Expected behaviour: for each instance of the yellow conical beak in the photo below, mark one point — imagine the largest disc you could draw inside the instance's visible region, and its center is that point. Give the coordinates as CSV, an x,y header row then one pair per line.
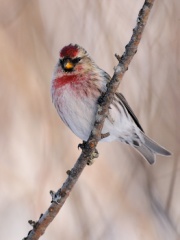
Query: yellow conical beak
x,y
68,65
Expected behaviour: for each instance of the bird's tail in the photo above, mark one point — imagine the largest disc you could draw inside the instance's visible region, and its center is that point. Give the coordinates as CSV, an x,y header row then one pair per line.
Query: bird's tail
x,y
149,149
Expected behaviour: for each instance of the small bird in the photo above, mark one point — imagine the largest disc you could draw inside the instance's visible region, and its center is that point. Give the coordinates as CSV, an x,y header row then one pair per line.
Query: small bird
x,y
76,86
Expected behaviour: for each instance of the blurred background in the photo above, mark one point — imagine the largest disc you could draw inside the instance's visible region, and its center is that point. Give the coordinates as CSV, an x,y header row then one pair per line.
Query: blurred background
x,y
120,196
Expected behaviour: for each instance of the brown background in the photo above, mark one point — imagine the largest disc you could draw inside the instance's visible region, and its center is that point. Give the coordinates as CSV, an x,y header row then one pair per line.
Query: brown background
x,y
120,196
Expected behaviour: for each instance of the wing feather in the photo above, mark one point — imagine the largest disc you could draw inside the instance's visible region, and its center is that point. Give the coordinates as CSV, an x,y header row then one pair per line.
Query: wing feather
x,y
130,111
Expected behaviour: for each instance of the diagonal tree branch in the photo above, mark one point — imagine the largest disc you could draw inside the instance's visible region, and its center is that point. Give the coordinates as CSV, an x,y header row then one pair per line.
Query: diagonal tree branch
x,y
104,102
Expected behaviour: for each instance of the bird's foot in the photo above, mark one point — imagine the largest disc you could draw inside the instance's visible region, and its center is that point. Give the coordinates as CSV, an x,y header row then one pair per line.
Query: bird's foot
x,y
82,145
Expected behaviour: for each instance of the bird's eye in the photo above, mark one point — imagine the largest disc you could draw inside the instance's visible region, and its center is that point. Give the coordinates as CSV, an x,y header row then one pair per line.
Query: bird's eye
x,y
76,60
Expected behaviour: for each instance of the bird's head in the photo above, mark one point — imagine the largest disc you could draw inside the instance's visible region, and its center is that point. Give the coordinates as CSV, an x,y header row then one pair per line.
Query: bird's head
x,y
76,67
72,58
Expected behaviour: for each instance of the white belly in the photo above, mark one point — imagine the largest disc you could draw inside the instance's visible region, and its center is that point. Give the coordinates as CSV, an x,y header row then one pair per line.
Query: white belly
x,y
76,111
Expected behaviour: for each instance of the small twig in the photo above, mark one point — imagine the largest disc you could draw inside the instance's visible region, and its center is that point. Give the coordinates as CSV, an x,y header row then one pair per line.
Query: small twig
x,y
118,57
88,148
104,135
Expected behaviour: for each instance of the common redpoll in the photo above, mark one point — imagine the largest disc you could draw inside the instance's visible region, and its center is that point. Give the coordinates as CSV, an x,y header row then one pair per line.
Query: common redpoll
x,y
76,86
